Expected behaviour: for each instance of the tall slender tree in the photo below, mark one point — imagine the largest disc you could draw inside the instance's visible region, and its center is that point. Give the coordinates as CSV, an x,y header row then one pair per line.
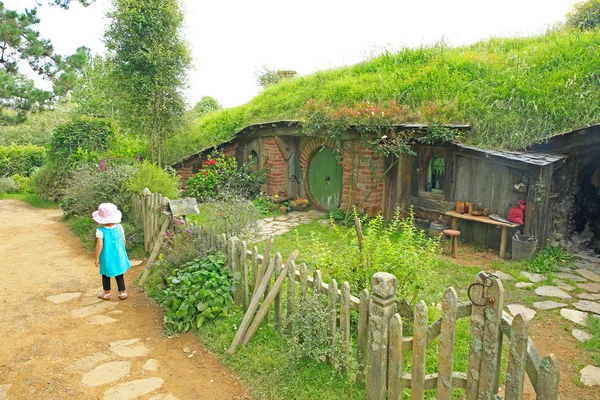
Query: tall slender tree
x,y
150,64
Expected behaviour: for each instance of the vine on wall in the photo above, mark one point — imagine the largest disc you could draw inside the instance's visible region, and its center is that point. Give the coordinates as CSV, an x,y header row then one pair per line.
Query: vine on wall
x,y
376,125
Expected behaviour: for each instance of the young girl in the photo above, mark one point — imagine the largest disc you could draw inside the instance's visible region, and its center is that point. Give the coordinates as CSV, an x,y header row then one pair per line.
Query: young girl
x,y
111,256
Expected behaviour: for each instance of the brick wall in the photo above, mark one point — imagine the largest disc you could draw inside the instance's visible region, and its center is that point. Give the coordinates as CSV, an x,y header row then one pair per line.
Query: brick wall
x,y
276,179
185,174
360,168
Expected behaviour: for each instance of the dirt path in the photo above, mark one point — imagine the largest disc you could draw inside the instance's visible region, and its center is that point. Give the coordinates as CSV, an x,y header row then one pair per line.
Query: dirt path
x,y
64,351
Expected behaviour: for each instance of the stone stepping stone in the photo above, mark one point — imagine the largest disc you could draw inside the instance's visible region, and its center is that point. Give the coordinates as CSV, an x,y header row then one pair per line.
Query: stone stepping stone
x,y
4,390
88,362
503,276
592,276
580,335
527,313
552,291
523,284
572,277
565,269
269,219
164,397
129,348
563,285
135,263
586,305
116,312
133,389
281,218
590,376
106,373
101,320
535,278
64,297
574,316
589,296
548,305
93,309
590,287
151,365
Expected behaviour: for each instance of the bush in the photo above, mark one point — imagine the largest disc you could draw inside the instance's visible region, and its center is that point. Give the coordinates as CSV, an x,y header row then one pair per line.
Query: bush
x,y
584,16
23,183
309,338
398,248
7,185
89,186
222,175
232,215
156,179
263,204
181,245
49,181
200,291
548,259
21,160
75,140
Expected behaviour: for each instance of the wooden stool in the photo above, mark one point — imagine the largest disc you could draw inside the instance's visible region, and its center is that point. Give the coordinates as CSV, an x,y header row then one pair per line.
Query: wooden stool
x,y
454,234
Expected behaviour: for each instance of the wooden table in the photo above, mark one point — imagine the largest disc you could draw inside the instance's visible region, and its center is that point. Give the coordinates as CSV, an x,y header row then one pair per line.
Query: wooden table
x,y
486,220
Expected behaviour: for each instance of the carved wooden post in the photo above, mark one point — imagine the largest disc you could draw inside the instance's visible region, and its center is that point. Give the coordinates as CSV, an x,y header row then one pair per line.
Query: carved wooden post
x,y
381,309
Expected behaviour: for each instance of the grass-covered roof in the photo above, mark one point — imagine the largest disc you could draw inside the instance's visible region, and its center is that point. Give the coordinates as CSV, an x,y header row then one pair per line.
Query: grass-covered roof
x,y
513,92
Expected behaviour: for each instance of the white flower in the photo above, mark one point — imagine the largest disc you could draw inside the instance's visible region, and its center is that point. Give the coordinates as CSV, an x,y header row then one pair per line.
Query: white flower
x,y
384,137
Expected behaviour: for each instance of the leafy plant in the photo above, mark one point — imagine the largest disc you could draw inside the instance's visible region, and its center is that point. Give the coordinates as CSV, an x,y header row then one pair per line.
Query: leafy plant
x,y
220,176
8,185
200,291
232,215
20,159
309,338
23,183
584,15
548,259
49,181
89,186
156,179
76,139
263,204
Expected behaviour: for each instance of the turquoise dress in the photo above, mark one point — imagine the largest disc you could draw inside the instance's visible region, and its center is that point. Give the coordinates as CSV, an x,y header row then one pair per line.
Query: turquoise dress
x,y
113,257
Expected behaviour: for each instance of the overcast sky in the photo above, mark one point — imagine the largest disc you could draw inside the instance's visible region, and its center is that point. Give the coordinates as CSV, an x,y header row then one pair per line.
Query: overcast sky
x,y
232,39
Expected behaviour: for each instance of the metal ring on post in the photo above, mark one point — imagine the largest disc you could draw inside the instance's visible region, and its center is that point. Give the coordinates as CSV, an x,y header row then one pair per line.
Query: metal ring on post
x,y
487,282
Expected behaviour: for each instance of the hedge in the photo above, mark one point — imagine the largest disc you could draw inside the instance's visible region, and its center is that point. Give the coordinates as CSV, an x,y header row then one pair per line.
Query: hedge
x,y
20,159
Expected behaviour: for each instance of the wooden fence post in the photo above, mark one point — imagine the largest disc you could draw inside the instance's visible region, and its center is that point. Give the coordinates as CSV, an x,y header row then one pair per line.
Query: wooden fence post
x,y
517,359
417,388
363,333
381,309
548,378
447,336
317,282
233,250
345,325
277,303
291,295
332,324
243,262
395,359
303,282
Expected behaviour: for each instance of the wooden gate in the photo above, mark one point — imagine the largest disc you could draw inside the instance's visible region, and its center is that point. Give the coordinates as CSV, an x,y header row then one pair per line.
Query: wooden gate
x,y
386,377
151,210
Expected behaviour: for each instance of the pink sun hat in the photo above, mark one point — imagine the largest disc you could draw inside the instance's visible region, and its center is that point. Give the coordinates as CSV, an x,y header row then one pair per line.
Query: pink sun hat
x,y
107,213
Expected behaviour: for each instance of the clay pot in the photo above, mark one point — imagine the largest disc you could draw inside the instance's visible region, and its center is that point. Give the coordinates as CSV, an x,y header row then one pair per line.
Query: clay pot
x,y
460,207
283,209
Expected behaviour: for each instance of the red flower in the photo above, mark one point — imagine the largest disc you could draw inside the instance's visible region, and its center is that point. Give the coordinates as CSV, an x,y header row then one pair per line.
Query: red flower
x,y
204,173
211,162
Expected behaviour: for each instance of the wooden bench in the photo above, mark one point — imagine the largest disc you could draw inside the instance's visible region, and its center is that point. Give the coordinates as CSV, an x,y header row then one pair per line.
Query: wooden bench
x,y
486,220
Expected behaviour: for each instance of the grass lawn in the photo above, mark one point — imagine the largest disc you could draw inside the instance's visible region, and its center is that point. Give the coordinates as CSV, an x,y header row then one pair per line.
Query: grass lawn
x,y
31,199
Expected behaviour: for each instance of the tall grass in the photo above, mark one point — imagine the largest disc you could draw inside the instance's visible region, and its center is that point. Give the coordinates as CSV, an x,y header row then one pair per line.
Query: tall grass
x,y
513,92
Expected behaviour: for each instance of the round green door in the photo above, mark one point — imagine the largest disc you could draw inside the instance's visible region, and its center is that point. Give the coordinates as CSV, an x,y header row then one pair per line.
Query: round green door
x,y
325,179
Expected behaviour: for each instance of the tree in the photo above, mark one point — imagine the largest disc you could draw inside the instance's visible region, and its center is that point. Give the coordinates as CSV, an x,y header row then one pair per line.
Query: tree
x,y
584,15
268,77
206,105
19,41
150,64
94,92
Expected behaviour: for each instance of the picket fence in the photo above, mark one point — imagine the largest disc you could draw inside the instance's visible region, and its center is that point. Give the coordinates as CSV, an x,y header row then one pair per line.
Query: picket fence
x,y
381,349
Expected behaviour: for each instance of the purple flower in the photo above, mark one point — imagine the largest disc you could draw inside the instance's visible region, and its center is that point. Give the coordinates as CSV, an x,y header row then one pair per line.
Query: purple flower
x,y
102,165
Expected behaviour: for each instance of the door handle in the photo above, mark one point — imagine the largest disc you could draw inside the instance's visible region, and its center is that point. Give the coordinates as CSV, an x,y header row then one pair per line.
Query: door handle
x,y
327,179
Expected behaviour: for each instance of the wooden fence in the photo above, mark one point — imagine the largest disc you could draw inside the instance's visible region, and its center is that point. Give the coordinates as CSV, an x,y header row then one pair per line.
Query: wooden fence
x,y
381,348
151,210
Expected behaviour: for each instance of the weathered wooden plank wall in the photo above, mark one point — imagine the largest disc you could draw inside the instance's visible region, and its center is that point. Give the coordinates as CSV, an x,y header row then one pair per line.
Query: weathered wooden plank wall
x,y
489,183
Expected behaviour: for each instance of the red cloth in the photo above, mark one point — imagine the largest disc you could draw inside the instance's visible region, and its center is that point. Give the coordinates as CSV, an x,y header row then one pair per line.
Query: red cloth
x,y
516,213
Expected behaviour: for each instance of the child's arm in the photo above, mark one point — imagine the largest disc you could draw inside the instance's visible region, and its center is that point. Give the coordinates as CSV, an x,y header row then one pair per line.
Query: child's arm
x,y
98,251
123,232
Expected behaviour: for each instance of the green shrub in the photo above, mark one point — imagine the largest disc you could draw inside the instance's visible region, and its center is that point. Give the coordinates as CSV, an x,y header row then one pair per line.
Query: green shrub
x,y
584,16
156,179
8,185
548,259
200,291
21,160
231,215
263,204
220,174
89,186
49,181
23,183
398,248
76,140
181,245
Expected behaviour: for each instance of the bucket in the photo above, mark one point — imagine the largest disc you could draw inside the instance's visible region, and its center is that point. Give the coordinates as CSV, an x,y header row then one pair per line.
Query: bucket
x,y
523,246
436,229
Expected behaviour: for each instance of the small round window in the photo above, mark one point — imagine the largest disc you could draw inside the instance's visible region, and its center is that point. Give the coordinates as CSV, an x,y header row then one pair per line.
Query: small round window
x,y
435,181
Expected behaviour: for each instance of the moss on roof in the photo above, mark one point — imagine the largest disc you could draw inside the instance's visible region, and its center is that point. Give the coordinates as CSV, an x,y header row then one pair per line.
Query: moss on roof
x,y
512,91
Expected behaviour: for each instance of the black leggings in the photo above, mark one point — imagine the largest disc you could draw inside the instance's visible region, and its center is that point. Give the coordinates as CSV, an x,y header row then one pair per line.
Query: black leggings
x,y
120,282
